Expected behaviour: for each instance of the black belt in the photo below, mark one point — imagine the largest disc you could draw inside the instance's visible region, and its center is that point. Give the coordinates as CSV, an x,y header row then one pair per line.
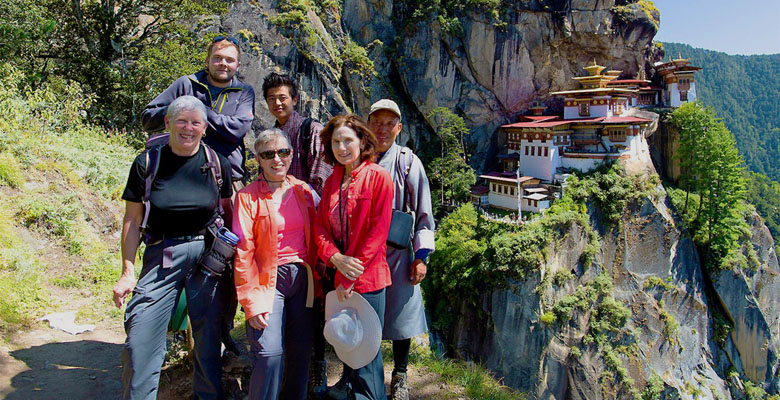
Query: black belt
x,y
186,237
153,238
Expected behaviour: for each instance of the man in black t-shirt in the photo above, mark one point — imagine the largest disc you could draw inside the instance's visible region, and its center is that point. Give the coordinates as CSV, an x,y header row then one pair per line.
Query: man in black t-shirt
x,y
184,201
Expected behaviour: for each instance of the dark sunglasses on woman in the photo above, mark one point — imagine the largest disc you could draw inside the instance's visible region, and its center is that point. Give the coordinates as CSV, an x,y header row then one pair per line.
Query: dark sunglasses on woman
x,y
270,154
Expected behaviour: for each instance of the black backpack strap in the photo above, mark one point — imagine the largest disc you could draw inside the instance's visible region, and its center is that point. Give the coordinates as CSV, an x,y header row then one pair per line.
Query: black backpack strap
x,y
305,139
305,133
152,165
403,166
216,173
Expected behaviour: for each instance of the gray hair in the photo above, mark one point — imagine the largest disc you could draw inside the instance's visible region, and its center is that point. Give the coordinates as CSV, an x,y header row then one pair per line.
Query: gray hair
x,y
268,135
185,103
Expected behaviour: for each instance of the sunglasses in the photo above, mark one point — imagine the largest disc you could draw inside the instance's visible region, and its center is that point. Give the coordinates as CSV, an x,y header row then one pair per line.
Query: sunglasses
x,y
270,154
228,38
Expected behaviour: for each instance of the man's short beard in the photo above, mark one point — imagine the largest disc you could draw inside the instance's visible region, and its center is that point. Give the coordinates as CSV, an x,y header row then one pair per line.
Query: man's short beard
x,y
219,80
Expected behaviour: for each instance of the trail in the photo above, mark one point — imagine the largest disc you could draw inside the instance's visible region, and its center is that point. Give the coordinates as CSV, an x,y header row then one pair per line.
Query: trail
x,y
45,363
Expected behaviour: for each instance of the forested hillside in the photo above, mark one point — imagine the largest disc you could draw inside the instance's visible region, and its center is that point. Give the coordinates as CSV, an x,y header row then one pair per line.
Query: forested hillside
x,y
745,92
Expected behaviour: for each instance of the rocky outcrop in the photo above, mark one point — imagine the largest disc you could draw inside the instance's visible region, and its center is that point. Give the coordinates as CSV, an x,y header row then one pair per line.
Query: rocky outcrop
x,y
656,272
488,68
748,294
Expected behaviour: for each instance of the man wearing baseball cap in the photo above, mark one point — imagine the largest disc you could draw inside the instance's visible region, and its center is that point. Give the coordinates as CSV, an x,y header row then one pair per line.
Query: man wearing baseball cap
x,y
404,315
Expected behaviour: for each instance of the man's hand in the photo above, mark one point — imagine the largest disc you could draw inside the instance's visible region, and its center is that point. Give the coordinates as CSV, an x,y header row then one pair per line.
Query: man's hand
x,y
259,321
123,287
418,271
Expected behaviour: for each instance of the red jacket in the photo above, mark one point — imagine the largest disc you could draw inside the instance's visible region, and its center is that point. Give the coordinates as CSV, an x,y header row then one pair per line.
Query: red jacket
x,y
369,209
257,250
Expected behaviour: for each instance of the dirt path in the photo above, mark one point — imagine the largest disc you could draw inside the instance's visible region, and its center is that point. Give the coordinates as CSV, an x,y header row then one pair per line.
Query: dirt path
x,y
45,363
50,364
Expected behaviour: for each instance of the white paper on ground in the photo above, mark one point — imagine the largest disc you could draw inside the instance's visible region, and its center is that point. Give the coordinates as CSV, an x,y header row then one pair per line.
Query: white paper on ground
x,y
66,321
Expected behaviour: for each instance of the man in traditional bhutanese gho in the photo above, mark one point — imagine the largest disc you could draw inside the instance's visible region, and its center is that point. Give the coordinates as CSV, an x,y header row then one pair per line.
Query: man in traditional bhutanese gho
x,y
404,315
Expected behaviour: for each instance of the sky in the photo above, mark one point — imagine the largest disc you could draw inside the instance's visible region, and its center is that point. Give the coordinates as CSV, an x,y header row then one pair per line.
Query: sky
x,y
731,26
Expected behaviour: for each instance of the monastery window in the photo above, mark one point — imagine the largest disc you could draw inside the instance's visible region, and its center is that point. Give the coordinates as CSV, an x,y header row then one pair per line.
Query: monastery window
x,y
532,150
584,109
683,95
526,150
492,187
540,151
512,191
617,135
546,151
536,203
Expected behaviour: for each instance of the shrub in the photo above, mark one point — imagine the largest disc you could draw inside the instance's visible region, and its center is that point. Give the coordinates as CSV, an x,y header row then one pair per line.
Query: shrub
x,y
10,171
547,318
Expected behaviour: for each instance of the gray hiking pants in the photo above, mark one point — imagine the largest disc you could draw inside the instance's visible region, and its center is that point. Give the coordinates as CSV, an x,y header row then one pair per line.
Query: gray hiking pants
x,y
282,351
151,308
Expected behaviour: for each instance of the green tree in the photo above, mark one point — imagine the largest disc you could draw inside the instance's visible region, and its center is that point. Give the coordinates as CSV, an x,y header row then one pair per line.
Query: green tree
x,y
712,168
110,47
451,175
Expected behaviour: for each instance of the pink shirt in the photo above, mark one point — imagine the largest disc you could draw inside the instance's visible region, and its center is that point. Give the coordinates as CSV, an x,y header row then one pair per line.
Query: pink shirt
x,y
291,235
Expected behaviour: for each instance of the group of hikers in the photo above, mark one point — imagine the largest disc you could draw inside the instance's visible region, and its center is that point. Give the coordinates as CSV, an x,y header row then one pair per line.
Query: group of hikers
x,y
329,243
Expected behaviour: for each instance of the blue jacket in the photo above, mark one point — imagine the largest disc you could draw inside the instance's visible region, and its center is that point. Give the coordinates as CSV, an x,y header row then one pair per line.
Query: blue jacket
x,y
230,115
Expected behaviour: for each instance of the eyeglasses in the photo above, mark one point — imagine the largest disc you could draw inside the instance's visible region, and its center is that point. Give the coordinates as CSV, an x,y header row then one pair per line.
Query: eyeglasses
x,y
228,38
270,154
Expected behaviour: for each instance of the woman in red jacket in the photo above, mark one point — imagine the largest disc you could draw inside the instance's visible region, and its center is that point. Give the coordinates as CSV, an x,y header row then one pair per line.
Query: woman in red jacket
x,y
353,220
274,218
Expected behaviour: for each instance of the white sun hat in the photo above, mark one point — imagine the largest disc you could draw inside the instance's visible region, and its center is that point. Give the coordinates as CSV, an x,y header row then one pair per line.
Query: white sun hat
x,y
352,328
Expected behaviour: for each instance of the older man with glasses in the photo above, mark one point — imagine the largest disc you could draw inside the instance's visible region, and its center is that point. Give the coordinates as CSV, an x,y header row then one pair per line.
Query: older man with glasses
x,y
230,108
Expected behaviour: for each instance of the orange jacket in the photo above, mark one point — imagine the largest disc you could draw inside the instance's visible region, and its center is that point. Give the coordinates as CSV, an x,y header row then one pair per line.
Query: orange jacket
x,y
256,253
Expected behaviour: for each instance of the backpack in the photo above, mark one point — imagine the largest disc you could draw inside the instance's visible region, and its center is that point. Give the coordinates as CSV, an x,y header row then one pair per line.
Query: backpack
x,y
154,146
305,137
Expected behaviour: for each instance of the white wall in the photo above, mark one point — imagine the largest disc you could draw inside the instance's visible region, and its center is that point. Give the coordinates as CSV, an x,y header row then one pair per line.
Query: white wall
x,y
541,205
581,164
536,165
503,200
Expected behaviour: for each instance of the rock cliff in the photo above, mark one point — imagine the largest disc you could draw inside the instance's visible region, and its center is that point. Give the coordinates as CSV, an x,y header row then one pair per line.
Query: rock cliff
x,y
668,336
485,61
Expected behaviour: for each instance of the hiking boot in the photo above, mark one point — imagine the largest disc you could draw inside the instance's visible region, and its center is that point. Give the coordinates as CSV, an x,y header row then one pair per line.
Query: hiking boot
x,y
318,379
398,388
339,391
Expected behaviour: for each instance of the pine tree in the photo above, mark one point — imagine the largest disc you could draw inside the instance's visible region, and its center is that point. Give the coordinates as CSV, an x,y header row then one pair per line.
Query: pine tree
x,y
451,175
712,168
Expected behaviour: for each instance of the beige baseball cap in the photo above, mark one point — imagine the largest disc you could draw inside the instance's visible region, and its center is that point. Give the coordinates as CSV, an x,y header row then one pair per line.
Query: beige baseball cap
x,y
385,104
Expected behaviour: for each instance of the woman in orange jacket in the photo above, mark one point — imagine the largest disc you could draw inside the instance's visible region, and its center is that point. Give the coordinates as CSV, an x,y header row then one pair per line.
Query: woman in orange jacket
x,y
274,219
351,229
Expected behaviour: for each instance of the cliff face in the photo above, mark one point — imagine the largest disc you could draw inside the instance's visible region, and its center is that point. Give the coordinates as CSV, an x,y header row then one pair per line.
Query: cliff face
x,y
487,69
748,295
668,333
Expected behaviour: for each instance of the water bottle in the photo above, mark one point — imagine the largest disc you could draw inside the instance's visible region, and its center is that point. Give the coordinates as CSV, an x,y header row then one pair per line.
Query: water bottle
x,y
228,236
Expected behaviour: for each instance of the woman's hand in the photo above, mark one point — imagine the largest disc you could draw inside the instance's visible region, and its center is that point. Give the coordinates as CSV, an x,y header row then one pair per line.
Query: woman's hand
x,y
350,267
259,321
342,293
123,287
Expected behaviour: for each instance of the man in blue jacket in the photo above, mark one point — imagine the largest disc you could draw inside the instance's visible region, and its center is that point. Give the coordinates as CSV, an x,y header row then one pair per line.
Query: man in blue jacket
x,y
230,102
230,106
